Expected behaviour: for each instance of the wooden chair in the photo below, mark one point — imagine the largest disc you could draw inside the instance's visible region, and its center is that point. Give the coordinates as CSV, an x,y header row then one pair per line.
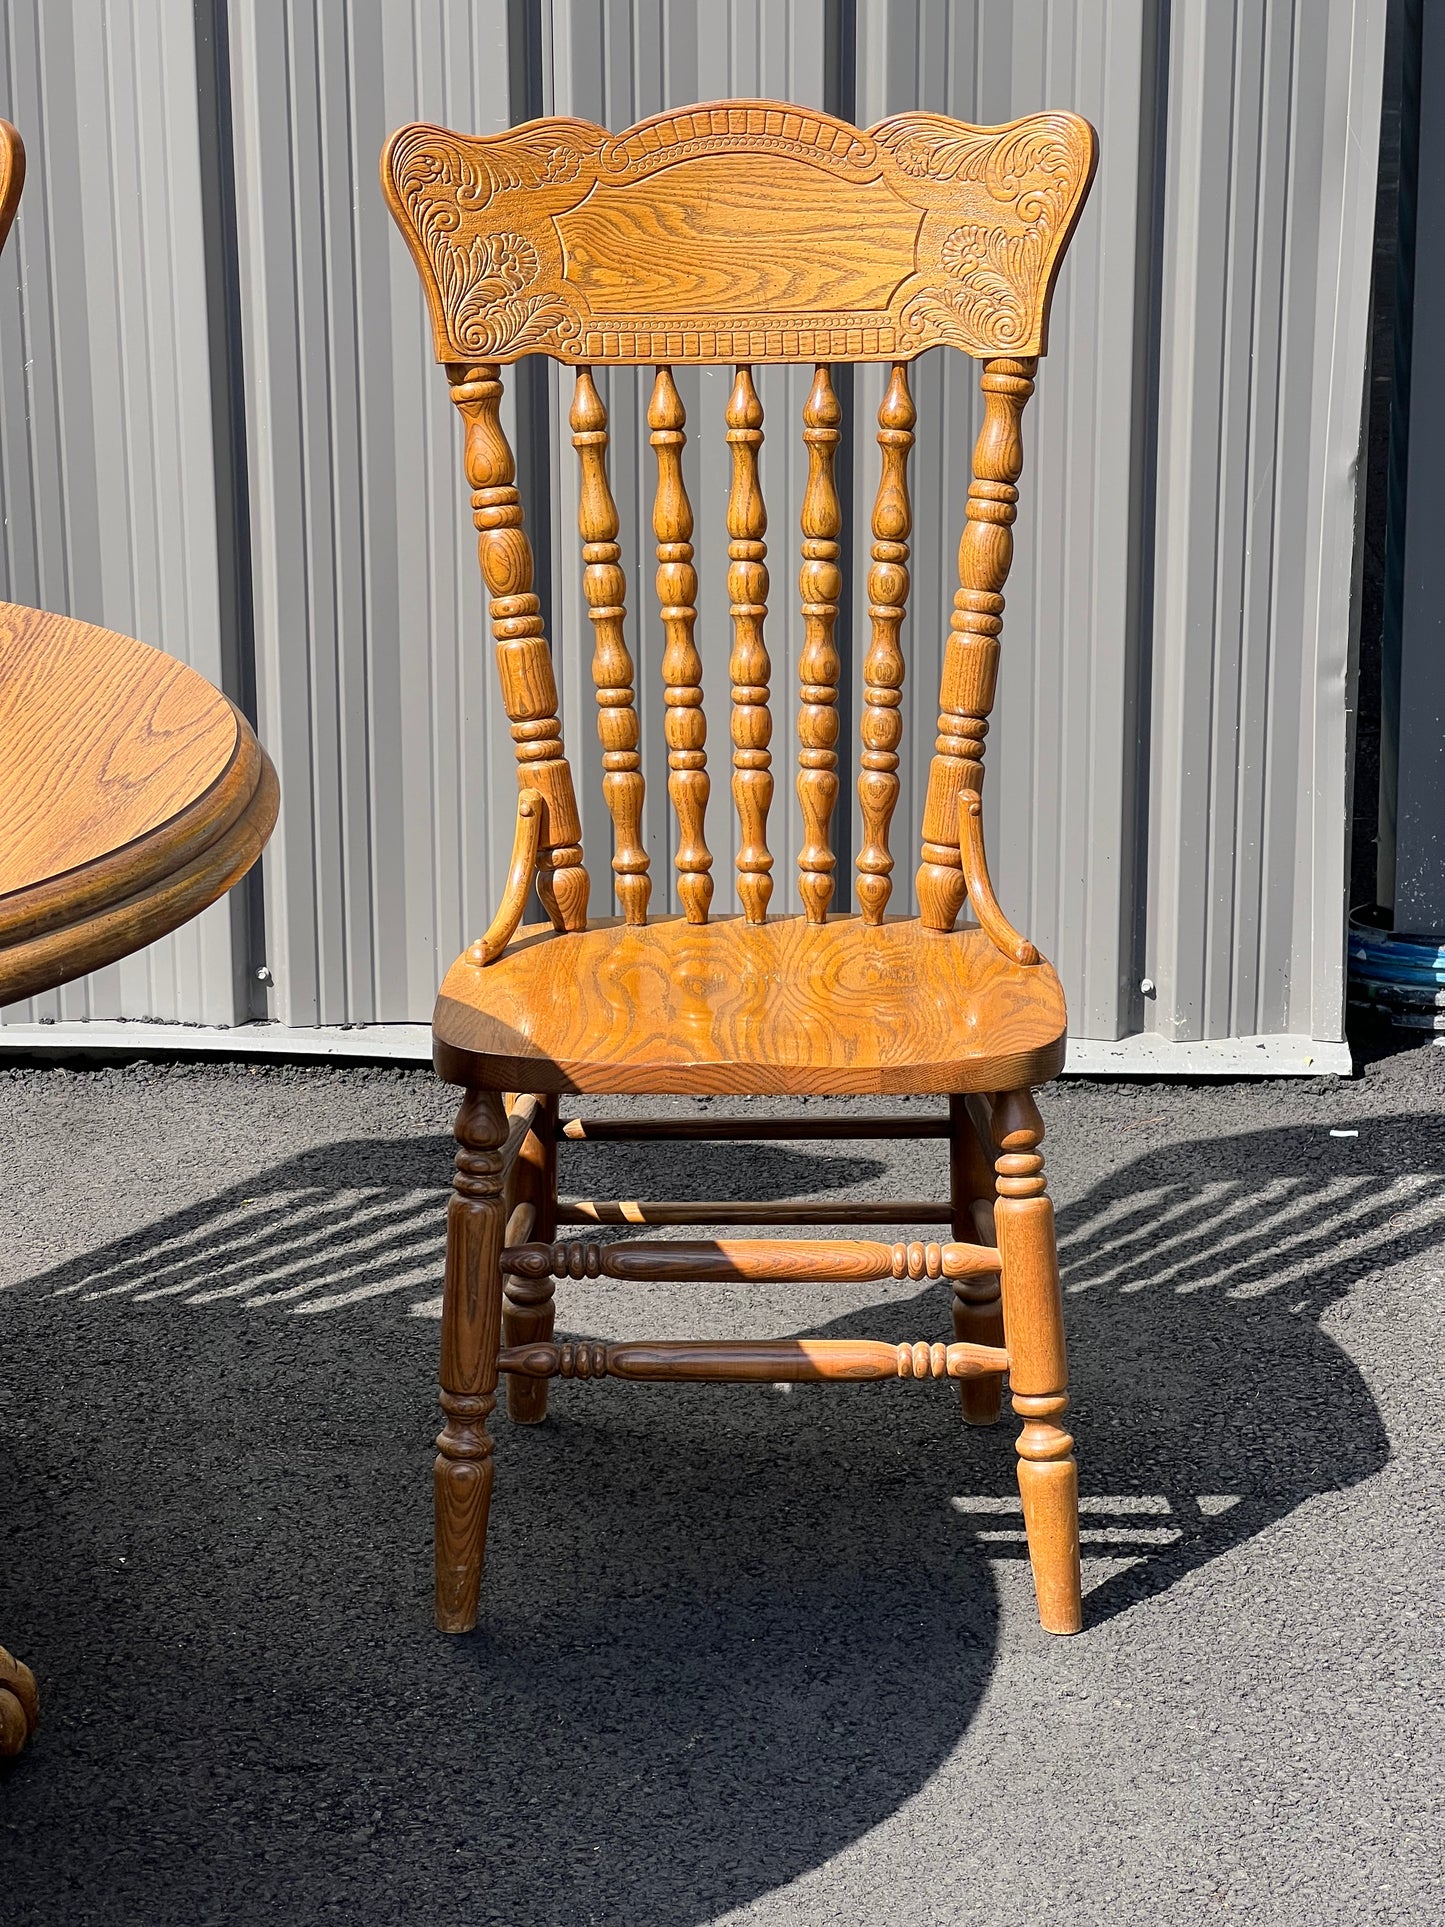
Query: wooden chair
x,y
744,233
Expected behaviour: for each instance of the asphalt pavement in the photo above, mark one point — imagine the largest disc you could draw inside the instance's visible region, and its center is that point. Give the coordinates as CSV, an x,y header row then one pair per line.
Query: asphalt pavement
x,y
746,1655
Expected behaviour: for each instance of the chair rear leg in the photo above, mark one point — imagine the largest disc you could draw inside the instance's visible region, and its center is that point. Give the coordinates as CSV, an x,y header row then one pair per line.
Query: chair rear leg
x,y
1033,1316
471,1334
528,1310
977,1307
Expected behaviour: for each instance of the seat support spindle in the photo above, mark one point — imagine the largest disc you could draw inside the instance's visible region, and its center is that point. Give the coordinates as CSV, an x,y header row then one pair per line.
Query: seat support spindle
x,y
820,584
881,728
605,587
977,1309
688,783
749,669
524,662
528,1310
970,663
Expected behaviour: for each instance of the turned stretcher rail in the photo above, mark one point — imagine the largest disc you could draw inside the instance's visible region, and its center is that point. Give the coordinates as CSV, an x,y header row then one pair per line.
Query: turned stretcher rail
x,y
755,1260
619,1130
767,1360
747,1211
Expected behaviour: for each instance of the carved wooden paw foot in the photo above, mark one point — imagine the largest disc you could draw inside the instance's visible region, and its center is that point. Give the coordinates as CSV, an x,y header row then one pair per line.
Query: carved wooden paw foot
x,y
19,1704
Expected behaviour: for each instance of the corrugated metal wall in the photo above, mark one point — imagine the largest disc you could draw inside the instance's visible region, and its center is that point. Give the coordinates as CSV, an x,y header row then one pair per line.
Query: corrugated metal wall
x,y
1167,791
108,455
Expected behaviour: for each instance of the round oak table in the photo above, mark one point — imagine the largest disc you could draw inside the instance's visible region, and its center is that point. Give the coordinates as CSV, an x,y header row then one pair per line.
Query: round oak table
x,y
132,795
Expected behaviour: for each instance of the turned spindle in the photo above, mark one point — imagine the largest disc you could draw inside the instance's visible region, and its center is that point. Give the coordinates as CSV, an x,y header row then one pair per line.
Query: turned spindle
x,y
970,663
528,1307
749,668
685,728
881,728
524,662
820,583
977,1306
605,587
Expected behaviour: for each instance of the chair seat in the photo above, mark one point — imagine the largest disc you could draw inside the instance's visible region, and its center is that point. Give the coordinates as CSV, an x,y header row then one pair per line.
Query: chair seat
x,y
728,1006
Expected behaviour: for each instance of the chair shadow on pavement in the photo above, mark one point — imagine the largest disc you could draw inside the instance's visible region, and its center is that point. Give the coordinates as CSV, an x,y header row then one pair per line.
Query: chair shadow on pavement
x,y
725,1632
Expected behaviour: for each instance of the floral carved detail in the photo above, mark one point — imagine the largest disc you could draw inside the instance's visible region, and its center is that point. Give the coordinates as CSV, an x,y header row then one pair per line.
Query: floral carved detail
x,y
562,238
1033,178
485,278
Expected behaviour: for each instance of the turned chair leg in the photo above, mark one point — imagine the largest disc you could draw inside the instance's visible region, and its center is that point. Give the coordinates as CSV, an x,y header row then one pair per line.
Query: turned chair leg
x,y
977,1306
528,1311
1033,1316
471,1335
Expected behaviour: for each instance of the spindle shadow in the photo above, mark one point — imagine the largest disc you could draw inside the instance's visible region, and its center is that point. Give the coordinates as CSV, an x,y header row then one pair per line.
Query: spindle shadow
x,y
360,1219
726,1632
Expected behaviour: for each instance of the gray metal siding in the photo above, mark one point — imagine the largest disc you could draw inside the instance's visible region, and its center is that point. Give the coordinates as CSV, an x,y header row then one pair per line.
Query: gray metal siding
x,y
1167,770
1062,751
106,449
1266,252
376,689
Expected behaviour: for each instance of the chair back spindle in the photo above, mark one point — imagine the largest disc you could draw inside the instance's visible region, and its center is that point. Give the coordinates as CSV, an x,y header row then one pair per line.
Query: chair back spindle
x,y
749,669
819,584
524,662
881,729
688,783
970,661
605,586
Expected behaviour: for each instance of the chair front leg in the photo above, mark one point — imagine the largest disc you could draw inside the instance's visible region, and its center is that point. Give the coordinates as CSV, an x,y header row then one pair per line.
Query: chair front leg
x,y
471,1335
528,1311
1033,1318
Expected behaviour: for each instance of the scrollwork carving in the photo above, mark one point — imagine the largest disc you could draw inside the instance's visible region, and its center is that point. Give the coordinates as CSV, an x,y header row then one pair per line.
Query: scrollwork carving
x,y
492,224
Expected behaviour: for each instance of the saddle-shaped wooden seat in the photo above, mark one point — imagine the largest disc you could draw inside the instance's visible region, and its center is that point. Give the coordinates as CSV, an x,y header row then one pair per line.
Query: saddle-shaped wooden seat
x,y
740,233
753,1009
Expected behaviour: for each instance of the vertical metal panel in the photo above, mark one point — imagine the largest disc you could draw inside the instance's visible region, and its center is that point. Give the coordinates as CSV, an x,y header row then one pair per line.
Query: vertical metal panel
x,y
1266,255
616,64
1167,782
1062,755
107,459
377,694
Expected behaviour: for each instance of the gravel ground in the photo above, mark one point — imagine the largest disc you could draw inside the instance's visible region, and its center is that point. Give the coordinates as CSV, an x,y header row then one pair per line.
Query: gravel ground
x,y
745,1656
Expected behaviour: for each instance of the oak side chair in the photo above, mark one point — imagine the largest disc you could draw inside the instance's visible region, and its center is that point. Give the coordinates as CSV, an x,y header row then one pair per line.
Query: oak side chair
x,y
741,233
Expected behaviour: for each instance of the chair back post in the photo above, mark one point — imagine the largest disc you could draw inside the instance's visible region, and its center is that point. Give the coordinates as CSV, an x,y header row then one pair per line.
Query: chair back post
x,y
524,662
970,659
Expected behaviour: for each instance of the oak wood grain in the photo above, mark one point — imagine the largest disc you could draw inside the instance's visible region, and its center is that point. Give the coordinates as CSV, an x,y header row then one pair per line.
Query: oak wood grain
x,y
1033,1322
740,231
521,874
970,658
881,726
102,740
768,1361
132,795
820,583
524,662
783,1006
605,588
684,726
610,1130
750,1260
528,1311
12,176
749,666
471,1338
746,1211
